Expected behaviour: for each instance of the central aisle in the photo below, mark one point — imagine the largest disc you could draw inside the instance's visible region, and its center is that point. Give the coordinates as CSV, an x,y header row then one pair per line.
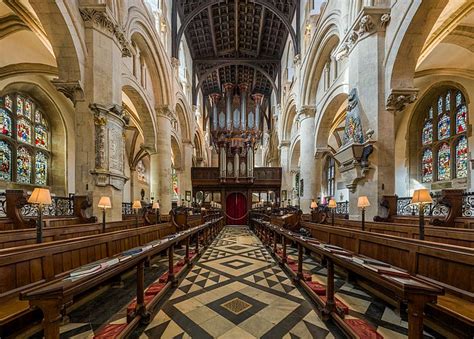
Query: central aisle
x,y
236,290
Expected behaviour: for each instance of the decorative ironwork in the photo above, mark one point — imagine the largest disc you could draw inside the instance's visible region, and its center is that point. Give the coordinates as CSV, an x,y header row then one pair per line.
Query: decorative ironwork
x,y
468,204
406,208
342,208
3,205
127,208
60,207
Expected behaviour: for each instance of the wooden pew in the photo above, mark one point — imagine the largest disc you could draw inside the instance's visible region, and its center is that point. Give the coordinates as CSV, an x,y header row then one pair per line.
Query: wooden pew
x,y
445,235
22,237
414,291
52,297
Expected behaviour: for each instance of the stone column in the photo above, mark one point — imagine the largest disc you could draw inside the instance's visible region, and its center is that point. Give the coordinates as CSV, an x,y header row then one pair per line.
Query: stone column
x,y
258,102
185,182
367,51
99,120
250,160
307,158
161,160
285,166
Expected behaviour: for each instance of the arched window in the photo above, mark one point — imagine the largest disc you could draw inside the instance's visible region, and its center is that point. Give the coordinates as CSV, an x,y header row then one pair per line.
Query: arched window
x,y
331,176
24,141
444,154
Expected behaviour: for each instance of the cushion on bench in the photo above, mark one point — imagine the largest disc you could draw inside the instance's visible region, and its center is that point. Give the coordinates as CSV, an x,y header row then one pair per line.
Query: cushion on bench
x,y
363,329
316,287
110,331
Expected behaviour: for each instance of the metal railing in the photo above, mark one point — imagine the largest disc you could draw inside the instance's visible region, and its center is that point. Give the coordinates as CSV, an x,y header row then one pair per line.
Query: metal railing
x,y
406,208
468,204
60,207
3,205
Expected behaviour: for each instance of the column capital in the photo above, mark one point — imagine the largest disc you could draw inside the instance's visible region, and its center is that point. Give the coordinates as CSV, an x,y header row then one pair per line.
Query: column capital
x,y
99,16
306,111
284,143
165,111
400,98
73,90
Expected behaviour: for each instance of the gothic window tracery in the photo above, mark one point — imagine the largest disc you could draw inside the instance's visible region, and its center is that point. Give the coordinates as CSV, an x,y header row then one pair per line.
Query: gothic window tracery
x,y
444,153
24,141
331,176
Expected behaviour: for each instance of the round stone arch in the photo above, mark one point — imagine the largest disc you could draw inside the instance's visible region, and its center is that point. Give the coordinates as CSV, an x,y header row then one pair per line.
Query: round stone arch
x,y
177,153
319,53
144,110
61,133
155,58
288,120
182,115
400,64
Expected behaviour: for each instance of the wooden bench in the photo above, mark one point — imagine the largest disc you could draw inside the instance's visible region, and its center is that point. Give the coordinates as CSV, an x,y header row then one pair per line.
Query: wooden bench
x,y
412,290
53,296
22,237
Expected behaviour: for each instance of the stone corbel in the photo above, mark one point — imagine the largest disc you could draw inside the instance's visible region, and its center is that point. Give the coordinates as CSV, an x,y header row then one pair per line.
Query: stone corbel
x,y
321,151
369,21
165,112
400,98
99,16
71,89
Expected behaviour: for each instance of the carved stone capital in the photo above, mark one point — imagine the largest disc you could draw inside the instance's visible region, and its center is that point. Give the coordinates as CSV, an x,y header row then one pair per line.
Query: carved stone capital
x,y
400,98
100,17
306,112
175,62
165,112
71,89
284,143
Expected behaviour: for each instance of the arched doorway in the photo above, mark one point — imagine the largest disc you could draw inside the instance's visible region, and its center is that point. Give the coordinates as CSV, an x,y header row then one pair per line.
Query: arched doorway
x,y
236,209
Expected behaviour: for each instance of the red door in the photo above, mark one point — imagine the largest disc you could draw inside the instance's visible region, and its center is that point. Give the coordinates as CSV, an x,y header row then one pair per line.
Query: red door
x,y
236,209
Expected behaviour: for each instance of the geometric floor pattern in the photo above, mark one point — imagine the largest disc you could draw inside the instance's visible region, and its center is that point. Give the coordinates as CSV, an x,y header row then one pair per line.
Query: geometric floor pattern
x,y
237,290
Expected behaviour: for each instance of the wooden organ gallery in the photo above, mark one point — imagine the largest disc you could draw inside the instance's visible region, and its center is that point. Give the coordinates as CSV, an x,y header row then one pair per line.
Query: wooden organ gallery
x,y
236,169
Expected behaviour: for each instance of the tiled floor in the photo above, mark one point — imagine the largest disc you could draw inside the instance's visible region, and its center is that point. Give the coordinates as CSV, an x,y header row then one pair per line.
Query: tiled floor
x,y
237,290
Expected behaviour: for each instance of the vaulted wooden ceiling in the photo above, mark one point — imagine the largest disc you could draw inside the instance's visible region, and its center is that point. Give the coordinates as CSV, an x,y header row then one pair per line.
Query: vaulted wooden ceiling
x,y
236,41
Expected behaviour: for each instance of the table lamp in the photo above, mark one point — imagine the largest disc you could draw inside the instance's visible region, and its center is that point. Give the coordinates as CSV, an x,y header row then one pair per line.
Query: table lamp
x,y
40,197
104,203
332,205
136,206
156,207
362,203
314,205
421,197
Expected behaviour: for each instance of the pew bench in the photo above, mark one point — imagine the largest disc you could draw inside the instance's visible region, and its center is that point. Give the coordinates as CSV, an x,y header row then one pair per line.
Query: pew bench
x,y
400,285
52,297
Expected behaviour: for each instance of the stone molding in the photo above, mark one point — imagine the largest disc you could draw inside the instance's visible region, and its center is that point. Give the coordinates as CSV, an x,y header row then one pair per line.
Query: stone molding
x,y
305,112
71,89
400,98
165,112
369,21
284,143
99,16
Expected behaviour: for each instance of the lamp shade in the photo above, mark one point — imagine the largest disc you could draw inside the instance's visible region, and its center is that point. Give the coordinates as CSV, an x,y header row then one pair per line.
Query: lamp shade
x,y
363,202
156,205
421,196
137,204
40,196
313,204
332,203
104,202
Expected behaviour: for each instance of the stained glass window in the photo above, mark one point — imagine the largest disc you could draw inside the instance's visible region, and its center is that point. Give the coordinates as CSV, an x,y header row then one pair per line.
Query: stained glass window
x,y
461,119
8,103
447,101
28,108
41,169
31,164
41,137
461,158
5,123
440,105
459,98
444,162
19,104
427,137
23,166
444,130
427,166
5,161
430,113
23,130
